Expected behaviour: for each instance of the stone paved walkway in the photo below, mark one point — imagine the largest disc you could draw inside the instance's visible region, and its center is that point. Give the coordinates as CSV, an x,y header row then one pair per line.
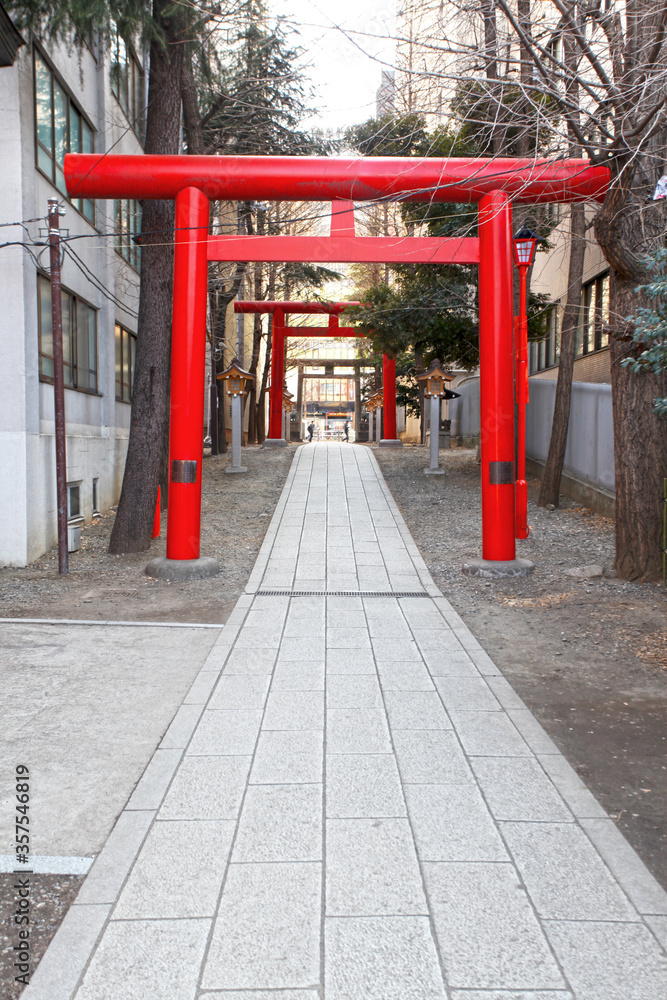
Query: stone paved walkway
x,y
353,804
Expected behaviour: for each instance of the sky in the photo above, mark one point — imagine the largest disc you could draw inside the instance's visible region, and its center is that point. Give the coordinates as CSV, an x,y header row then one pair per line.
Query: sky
x,y
344,69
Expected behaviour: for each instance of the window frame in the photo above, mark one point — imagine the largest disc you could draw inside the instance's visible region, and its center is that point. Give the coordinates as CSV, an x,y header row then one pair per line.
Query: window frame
x,y
134,108
125,247
593,302
129,383
545,354
72,364
79,204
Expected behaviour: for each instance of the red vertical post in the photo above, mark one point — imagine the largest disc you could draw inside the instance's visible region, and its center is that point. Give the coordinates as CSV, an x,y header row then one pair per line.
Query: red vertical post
x,y
389,396
277,376
521,530
496,388
188,357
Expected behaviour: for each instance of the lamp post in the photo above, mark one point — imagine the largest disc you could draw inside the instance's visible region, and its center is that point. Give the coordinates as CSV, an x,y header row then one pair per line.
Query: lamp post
x,y
235,379
435,378
524,245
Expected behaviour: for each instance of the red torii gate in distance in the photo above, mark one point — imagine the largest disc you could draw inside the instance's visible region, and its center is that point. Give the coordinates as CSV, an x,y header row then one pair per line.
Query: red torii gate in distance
x,y
193,181
279,333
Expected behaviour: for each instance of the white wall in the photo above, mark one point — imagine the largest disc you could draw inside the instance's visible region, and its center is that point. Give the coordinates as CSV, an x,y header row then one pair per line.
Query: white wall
x,y
97,426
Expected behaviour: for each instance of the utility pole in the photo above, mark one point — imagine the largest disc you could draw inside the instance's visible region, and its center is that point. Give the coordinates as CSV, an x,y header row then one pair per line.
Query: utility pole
x,y
55,211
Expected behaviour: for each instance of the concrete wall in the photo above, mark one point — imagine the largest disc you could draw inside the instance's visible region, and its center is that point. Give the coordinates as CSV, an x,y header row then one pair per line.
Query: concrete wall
x,y
589,455
464,412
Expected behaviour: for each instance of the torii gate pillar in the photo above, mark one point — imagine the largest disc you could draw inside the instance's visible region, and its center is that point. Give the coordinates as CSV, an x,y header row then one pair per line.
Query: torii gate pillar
x,y
389,400
496,391
188,364
276,420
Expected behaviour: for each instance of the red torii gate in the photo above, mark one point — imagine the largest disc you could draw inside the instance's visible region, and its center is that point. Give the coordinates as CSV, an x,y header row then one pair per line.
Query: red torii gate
x,y
194,180
280,331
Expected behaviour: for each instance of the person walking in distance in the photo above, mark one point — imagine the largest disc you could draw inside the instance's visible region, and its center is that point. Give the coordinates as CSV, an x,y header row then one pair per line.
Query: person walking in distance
x,y
311,431
346,430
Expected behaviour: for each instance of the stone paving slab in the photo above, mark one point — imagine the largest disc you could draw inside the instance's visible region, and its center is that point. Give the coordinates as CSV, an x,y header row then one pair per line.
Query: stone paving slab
x,y
353,804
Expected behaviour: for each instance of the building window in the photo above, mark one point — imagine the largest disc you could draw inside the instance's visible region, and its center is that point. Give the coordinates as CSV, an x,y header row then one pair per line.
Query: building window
x,y
73,501
126,348
96,495
60,128
546,353
593,326
127,215
79,338
127,82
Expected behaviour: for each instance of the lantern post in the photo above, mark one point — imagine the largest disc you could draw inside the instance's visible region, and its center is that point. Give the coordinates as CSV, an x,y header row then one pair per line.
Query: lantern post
x,y
288,403
524,245
435,378
235,379
373,406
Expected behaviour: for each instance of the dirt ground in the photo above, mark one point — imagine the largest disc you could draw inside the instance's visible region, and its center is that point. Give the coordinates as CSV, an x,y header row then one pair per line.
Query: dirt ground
x,y
236,511
50,898
589,657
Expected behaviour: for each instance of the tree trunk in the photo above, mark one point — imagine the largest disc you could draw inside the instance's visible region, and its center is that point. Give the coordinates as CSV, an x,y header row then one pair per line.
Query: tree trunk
x,y
488,8
526,73
640,451
192,126
625,228
150,396
550,487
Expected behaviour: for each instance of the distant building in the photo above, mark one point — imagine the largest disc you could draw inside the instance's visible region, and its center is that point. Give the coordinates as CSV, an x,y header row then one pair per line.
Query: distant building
x,y
385,96
550,273
56,100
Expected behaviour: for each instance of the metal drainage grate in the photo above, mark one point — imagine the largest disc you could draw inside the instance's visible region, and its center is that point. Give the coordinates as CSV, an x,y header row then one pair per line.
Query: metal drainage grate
x,y
341,593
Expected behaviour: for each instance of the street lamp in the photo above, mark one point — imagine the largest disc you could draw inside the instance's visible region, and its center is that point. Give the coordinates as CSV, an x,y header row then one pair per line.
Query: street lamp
x,y
524,245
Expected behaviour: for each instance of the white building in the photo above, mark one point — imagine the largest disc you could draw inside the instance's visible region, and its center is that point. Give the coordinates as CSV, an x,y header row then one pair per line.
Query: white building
x,y
53,100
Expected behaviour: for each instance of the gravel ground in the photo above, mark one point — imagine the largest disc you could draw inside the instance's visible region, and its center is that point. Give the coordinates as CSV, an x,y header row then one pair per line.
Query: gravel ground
x,y
589,657
50,898
236,511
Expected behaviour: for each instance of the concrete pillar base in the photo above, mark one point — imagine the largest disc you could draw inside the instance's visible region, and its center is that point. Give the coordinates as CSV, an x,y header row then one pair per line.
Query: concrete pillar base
x,y
390,443
274,443
182,569
493,569
236,468
434,472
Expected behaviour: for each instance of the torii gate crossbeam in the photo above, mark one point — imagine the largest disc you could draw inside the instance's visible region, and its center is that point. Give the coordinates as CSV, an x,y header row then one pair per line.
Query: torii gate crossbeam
x,y
194,180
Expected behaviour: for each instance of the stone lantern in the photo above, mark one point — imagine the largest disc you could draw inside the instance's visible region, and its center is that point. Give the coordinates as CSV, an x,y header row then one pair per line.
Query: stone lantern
x,y
435,380
288,404
373,404
235,379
